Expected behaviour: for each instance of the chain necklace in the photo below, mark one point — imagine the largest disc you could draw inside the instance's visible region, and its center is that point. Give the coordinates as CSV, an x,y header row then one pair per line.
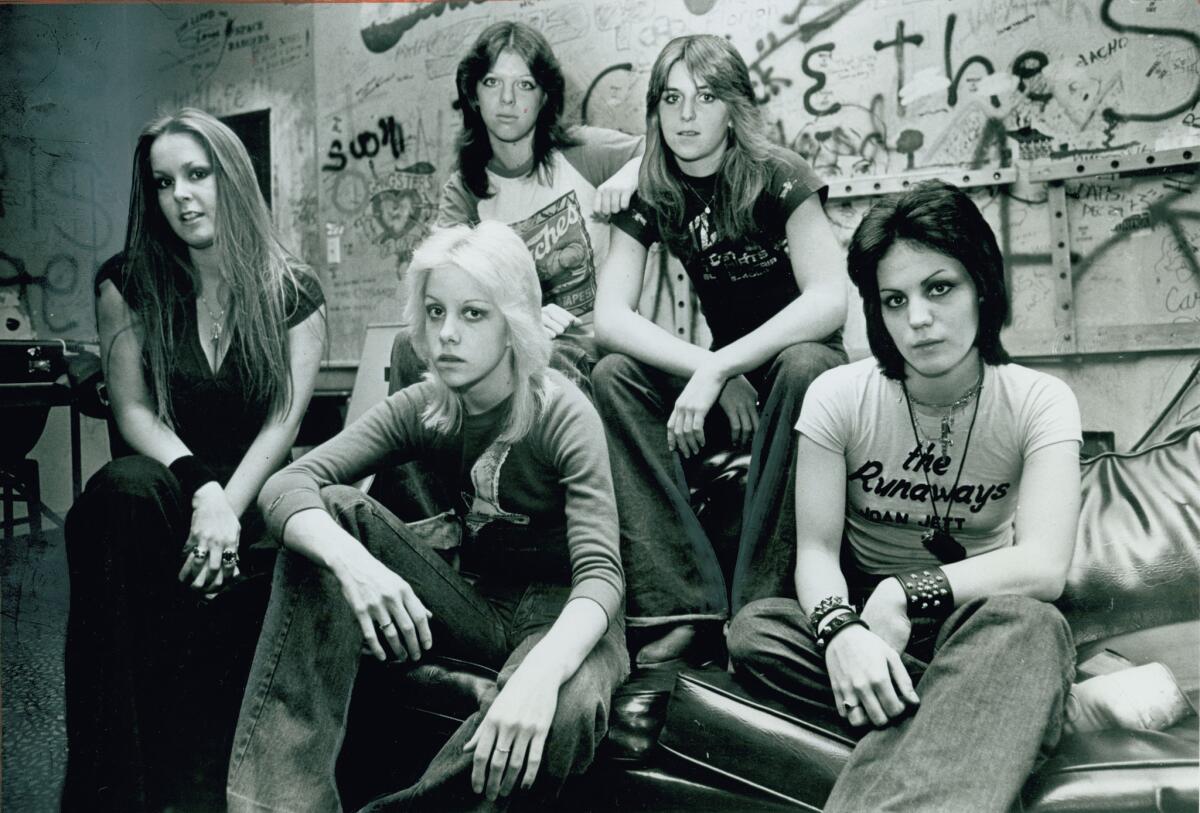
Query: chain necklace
x,y
706,203
947,420
939,541
217,321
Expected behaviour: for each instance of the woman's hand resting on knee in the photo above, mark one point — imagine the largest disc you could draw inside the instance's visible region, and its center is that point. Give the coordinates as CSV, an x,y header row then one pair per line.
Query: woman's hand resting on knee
x,y
211,551
383,603
513,733
870,683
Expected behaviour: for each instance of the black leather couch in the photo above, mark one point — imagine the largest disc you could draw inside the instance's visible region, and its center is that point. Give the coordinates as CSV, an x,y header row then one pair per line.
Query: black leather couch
x,y
696,739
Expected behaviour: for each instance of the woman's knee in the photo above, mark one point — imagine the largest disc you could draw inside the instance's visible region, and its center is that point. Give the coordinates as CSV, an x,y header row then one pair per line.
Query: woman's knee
x,y
798,365
1026,622
341,499
755,630
612,374
135,476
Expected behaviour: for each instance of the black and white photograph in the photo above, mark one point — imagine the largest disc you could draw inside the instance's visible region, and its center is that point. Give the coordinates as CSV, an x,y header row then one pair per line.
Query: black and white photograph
x,y
603,406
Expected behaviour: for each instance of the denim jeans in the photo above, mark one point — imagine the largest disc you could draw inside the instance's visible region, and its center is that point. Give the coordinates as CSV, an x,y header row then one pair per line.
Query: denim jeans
x,y
672,571
294,711
154,670
992,682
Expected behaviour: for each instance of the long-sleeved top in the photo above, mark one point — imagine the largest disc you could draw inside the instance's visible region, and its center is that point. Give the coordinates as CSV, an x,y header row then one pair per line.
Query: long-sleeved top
x,y
552,490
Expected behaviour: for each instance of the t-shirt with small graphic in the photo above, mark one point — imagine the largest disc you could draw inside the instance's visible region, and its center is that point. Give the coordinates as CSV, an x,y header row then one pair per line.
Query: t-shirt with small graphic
x,y
554,212
741,280
895,479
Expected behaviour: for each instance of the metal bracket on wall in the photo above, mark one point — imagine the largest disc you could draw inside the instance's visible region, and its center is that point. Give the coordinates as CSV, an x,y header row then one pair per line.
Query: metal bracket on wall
x,y
1060,260
1113,164
886,184
1068,337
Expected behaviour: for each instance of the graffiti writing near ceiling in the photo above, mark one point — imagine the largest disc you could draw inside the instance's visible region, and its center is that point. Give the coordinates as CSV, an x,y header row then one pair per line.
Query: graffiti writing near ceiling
x,y
379,37
1113,115
1050,103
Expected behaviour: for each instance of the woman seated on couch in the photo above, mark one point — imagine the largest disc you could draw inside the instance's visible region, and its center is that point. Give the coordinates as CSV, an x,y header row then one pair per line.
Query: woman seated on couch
x,y
211,334
937,499
536,588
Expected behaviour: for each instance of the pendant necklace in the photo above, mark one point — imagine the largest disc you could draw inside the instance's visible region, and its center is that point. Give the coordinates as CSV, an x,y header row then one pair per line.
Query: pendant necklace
x,y
939,541
217,326
707,203
947,426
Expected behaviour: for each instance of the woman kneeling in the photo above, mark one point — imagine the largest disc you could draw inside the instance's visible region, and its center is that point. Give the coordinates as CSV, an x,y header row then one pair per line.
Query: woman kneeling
x,y
953,477
534,589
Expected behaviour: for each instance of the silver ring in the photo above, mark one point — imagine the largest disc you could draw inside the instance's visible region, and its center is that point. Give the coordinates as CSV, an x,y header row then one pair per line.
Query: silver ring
x,y
229,558
503,750
385,626
200,554
850,706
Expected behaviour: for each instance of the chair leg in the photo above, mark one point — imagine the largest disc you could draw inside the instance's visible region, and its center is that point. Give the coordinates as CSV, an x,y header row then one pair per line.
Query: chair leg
x,y
6,494
33,501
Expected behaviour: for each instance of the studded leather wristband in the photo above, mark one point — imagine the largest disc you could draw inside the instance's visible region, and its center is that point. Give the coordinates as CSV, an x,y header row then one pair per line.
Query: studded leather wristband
x,y
927,593
839,623
827,606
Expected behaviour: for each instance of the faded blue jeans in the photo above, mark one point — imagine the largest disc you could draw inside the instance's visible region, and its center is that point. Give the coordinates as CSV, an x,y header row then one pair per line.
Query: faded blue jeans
x,y
992,682
294,710
672,571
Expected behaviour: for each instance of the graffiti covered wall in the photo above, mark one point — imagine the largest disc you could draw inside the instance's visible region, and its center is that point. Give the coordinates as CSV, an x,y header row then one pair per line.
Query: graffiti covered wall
x,y
362,128
862,88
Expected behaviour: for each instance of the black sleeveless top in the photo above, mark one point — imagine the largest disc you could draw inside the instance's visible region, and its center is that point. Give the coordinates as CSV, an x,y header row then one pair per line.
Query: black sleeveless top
x,y
212,413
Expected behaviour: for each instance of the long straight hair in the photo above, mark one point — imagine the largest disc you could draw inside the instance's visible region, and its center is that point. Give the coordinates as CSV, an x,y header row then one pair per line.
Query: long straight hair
x,y
474,146
160,282
498,260
744,169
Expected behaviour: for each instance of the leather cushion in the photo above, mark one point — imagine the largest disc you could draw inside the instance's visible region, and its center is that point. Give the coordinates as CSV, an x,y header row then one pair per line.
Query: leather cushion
x,y
1137,555
796,754
715,723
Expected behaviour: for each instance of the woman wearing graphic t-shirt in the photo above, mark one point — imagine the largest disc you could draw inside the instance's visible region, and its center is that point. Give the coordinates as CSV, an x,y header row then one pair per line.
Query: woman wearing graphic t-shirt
x,y
746,219
939,486
535,589
518,163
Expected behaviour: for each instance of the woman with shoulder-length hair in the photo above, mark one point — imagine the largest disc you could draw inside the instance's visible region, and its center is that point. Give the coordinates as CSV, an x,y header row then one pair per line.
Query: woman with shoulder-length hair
x,y
746,219
519,163
211,334
939,485
522,575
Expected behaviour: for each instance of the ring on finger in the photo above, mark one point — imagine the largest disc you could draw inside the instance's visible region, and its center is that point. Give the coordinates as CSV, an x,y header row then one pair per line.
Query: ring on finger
x,y
385,626
200,553
850,706
229,558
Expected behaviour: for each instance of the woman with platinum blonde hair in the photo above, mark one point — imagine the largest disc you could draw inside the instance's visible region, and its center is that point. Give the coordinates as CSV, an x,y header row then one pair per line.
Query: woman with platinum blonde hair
x,y
520,571
500,266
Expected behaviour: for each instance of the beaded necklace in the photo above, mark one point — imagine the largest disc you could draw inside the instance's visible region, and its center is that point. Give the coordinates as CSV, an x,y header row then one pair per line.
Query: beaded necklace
x,y
948,419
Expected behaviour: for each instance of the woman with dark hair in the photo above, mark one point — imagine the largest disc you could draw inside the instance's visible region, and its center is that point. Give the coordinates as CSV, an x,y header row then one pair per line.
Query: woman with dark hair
x,y
746,219
939,486
519,164
211,334
530,583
